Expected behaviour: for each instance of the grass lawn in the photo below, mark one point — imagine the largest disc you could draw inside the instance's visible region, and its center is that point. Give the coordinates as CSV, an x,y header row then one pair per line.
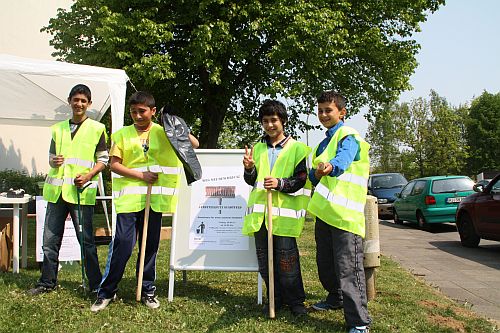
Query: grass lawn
x,y
222,302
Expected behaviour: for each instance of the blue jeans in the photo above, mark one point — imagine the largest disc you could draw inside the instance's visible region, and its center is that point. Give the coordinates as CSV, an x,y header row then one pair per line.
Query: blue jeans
x,y
288,286
55,219
339,256
129,228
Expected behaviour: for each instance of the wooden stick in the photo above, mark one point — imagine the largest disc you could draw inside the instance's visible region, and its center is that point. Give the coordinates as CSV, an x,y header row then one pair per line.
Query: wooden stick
x,y
270,256
143,243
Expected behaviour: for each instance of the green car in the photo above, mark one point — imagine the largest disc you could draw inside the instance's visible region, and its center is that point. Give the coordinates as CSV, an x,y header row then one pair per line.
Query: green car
x,y
431,199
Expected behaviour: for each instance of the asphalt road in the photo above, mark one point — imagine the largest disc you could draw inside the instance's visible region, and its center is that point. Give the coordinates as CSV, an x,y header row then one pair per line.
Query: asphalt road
x,y
470,276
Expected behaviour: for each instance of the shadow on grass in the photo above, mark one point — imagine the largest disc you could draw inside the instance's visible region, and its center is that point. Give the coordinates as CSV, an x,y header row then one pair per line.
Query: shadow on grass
x,y
244,308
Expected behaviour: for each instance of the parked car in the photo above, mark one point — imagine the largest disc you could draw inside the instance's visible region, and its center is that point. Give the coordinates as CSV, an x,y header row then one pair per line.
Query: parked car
x,y
430,200
384,186
478,215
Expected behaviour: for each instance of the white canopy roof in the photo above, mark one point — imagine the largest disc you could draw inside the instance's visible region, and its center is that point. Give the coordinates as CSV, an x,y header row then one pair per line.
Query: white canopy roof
x,y
37,90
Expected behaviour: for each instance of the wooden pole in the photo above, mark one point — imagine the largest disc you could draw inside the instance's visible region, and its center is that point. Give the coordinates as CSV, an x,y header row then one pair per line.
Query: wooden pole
x,y
270,255
143,243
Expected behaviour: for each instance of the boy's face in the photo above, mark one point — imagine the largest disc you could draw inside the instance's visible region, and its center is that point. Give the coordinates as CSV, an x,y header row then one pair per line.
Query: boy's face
x,y
79,104
142,115
329,115
272,126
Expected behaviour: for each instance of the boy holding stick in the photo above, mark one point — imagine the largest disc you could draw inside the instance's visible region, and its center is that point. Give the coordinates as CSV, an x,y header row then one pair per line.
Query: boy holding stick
x,y
278,164
340,175
148,170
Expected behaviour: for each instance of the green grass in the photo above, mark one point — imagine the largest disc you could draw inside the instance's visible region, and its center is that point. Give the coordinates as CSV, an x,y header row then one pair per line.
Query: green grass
x,y
223,302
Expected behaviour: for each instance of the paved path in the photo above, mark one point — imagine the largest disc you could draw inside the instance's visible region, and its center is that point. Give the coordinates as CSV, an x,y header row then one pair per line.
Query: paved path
x,y
469,276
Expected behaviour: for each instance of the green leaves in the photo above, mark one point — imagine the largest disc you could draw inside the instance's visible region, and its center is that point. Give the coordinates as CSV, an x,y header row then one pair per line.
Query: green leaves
x,y
483,133
214,59
422,138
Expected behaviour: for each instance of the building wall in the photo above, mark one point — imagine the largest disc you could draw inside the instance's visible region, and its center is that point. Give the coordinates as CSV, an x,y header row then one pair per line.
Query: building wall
x,y
23,147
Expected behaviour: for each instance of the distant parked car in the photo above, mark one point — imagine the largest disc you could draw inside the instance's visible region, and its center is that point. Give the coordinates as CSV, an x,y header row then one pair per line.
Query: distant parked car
x,y
478,215
483,182
431,199
384,186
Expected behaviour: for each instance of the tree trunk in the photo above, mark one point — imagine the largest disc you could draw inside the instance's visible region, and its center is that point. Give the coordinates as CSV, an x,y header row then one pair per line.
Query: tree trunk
x,y
214,109
211,125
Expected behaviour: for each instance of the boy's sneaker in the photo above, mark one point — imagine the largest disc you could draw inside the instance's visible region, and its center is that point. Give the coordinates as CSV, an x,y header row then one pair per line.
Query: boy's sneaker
x,y
359,330
298,310
101,303
39,290
151,301
325,306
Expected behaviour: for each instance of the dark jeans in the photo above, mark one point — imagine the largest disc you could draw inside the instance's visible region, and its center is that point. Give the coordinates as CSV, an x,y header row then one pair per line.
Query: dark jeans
x,y
339,256
55,219
129,228
288,286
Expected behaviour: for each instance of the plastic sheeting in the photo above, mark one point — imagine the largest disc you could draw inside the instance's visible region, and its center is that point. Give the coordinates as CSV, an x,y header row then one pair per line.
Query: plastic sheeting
x,y
37,90
178,134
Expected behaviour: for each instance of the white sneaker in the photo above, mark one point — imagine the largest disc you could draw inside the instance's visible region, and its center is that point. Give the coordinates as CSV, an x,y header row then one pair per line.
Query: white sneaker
x,y
101,303
151,301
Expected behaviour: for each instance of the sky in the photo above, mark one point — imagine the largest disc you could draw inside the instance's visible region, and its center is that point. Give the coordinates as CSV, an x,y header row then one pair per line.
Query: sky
x,y
459,57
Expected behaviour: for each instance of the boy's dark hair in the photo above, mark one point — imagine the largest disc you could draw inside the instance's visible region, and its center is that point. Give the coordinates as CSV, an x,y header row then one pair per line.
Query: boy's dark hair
x,y
142,97
271,107
332,96
80,89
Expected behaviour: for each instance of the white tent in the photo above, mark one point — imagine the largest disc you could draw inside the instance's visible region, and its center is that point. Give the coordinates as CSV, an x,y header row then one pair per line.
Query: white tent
x,y
33,96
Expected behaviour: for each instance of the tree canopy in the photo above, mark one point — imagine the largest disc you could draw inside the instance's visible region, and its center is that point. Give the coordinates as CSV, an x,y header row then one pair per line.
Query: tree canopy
x,y
483,133
420,138
214,60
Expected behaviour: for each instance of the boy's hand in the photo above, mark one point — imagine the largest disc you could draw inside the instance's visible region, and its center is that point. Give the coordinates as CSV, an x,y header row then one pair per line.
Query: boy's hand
x,y
149,177
248,161
57,160
323,170
270,183
81,180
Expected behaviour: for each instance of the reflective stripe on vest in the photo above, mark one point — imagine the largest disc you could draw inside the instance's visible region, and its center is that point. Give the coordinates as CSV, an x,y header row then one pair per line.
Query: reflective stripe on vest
x,y
339,200
277,211
156,169
144,190
68,181
302,191
79,162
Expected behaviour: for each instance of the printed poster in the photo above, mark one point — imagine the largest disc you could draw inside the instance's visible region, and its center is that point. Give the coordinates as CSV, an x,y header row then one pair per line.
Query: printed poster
x,y
218,206
70,248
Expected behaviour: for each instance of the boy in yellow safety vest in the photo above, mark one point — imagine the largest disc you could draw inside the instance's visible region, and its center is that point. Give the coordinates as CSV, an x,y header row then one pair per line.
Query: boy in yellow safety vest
x,y
278,163
141,154
340,175
77,154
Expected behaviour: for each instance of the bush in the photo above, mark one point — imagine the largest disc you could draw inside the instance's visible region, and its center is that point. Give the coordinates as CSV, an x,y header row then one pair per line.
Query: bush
x,y
20,179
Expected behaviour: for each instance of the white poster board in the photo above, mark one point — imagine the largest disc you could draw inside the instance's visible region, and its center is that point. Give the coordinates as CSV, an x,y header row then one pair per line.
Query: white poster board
x,y
70,248
206,230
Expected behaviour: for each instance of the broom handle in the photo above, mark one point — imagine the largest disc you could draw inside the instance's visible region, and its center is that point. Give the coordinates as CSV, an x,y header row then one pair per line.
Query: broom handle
x,y
270,255
143,243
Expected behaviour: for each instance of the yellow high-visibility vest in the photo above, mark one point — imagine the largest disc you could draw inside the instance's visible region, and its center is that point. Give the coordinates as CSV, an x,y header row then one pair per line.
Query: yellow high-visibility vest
x,y
289,209
79,158
340,201
129,193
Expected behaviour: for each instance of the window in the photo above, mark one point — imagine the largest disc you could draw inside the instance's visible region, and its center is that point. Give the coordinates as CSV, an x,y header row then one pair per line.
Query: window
x,y
452,185
407,190
496,187
419,187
